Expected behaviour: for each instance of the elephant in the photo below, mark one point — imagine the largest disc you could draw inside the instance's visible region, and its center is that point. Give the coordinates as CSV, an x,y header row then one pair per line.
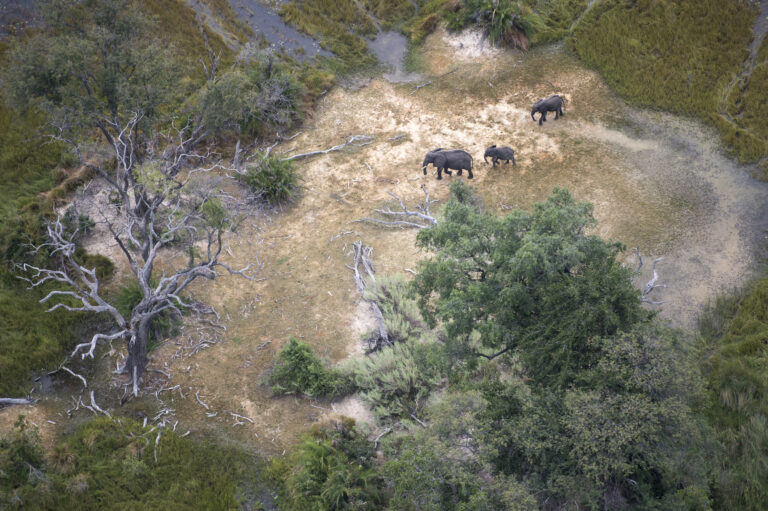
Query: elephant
x,y
448,159
553,103
499,153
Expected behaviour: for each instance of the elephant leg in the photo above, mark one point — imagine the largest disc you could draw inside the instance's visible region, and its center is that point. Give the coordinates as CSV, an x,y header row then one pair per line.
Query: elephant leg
x,y
439,173
425,170
513,162
470,173
557,114
448,171
459,172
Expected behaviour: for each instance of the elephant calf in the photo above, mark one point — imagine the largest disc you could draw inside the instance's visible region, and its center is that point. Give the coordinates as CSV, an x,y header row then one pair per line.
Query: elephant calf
x,y
500,153
445,160
553,103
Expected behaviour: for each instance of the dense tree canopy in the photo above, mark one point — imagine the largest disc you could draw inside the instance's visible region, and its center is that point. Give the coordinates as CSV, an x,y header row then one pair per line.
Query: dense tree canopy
x,y
532,282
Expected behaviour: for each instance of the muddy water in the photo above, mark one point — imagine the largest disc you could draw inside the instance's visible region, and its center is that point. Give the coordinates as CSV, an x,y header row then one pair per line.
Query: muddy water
x,y
657,182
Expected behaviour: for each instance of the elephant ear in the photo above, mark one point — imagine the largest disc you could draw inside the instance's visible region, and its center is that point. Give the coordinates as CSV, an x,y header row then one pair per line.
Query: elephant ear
x,y
494,145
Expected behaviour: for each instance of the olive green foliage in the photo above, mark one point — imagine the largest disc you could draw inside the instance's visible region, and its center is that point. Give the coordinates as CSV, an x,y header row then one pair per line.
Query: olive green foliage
x,y
623,436
399,310
97,59
275,181
21,458
734,335
339,25
441,467
397,380
299,371
178,28
30,338
680,56
330,469
515,23
257,96
109,464
745,110
535,283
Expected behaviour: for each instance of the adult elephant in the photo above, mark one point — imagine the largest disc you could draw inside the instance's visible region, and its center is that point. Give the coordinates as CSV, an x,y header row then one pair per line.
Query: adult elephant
x,y
445,160
498,154
553,103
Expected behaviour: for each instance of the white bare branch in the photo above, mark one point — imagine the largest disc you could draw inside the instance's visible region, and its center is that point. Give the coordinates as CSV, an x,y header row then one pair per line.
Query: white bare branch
x,y
362,255
354,140
421,213
651,285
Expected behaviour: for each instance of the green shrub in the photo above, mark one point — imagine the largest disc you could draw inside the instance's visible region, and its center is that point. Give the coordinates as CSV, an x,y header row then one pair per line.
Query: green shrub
x,y
274,180
299,371
103,265
331,469
397,380
441,467
399,310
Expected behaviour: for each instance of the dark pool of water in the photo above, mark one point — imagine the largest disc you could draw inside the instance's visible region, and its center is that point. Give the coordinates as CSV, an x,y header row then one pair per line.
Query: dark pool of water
x,y
264,21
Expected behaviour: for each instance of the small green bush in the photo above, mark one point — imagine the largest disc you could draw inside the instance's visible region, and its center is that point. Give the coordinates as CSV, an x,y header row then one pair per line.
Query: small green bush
x,y
330,469
103,265
396,382
273,179
299,371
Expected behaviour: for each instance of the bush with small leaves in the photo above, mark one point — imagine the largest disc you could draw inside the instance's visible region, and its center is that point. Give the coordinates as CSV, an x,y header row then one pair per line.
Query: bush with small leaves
x,y
274,180
299,371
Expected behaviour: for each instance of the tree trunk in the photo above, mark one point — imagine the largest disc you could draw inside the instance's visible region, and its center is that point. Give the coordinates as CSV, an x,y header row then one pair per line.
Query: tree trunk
x,y
137,354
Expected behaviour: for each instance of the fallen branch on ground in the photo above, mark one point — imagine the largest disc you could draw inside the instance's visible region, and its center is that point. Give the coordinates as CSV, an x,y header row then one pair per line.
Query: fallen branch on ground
x,y
9,401
422,213
362,256
357,140
651,285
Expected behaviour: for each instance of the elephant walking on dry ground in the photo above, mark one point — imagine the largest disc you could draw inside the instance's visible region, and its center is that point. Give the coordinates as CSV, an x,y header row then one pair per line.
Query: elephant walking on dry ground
x,y
553,103
445,160
498,154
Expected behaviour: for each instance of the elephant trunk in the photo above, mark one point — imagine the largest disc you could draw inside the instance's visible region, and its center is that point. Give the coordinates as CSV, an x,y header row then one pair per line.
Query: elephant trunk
x,y
532,114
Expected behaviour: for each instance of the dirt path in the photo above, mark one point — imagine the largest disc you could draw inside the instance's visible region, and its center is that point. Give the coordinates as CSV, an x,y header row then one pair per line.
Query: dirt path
x,y
657,182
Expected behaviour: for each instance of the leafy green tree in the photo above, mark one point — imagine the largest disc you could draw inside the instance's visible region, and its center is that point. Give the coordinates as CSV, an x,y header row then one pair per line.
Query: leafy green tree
x,y
535,283
626,436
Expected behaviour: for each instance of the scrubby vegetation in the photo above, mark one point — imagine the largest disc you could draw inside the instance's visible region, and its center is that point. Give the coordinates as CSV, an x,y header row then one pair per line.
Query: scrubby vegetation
x,y
111,464
273,180
681,57
299,371
734,334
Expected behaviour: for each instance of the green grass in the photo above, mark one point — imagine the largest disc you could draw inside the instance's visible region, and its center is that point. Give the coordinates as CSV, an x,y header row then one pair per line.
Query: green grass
x,y
110,464
30,338
734,336
680,56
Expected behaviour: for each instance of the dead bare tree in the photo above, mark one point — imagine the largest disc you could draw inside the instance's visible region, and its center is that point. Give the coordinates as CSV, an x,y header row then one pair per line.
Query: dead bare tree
x,y
160,203
421,213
